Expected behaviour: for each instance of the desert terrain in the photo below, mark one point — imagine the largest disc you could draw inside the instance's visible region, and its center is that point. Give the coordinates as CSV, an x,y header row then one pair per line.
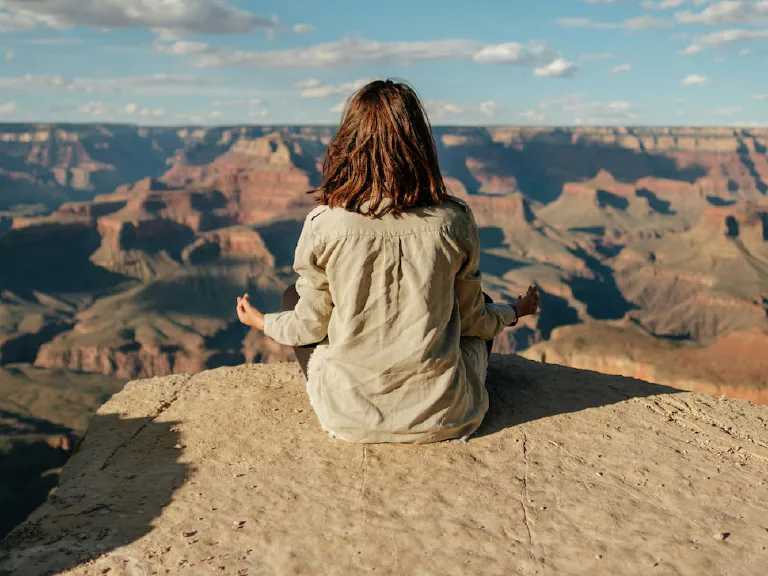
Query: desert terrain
x,y
122,249
572,472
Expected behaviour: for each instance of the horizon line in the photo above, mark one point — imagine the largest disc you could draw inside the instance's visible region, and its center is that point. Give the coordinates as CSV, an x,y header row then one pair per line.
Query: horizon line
x,y
335,125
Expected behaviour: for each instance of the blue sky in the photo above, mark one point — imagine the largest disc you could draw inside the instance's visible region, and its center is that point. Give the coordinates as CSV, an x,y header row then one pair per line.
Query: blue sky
x,y
518,62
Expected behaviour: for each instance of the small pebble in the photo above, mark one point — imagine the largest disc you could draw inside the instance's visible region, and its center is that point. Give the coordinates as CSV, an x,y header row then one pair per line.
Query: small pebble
x,y
189,534
721,535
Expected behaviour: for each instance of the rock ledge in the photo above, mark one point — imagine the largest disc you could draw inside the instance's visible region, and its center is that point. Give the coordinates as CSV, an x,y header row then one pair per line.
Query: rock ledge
x,y
573,472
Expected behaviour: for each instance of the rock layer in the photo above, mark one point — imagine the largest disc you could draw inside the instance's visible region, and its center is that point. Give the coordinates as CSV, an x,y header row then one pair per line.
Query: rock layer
x,y
572,473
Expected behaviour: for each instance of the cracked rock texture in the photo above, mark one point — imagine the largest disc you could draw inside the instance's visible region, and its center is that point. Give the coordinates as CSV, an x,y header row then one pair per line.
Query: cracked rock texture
x,y
573,472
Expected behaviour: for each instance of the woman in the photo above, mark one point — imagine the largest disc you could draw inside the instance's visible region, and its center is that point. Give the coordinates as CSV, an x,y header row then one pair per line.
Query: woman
x,y
388,301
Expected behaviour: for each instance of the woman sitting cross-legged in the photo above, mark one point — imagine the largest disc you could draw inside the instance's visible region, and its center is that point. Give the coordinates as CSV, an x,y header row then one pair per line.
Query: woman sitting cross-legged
x,y
387,317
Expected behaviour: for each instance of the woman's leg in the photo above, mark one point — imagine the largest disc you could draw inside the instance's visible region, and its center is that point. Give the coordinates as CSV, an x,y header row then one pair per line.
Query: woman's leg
x,y
488,343
290,299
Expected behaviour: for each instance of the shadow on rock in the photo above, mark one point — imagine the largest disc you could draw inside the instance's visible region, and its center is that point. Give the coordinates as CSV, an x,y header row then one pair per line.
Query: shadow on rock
x,y
28,472
128,485
515,399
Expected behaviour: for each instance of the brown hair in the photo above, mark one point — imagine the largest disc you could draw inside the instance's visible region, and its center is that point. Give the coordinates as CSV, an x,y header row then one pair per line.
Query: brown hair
x,y
383,148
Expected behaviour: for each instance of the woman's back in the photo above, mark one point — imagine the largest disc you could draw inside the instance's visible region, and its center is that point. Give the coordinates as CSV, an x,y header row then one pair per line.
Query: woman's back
x,y
388,292
402,361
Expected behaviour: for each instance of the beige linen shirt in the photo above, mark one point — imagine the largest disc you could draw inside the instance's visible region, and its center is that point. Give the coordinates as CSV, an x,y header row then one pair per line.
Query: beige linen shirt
x,y
397,306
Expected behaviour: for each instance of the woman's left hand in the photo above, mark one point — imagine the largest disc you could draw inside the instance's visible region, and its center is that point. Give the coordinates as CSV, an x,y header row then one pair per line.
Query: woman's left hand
x,y
247,314
528,304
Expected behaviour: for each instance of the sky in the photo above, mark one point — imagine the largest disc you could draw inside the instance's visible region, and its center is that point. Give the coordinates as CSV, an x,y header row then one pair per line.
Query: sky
x,y
487,62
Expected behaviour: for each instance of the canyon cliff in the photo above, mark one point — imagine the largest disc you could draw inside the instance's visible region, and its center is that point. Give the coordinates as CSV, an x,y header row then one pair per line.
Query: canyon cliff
x,y
127,265
572,472
123,248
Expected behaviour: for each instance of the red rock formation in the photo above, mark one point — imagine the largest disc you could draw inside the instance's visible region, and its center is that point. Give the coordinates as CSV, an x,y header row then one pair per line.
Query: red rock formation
x,y
258,178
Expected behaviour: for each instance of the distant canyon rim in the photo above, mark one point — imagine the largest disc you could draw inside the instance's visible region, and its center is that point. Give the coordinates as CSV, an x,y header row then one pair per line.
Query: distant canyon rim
x,y
122,249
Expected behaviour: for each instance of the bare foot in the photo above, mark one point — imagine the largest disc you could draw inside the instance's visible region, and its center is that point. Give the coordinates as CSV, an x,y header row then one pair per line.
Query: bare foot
x,y
530,303
249,315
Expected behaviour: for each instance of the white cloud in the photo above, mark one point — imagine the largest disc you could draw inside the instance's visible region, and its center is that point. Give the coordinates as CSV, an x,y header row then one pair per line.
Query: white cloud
x,y
533,116
600,1
745,52
759,97
439,109
303,28
315,89
94,108
242,103
12,22
52,41
10,55
489,108
136,110
597,56
727,37
621,68
692,49
309,83
749,124
695,80
8,108
727,111
182,47
662,4
559,68
358,51
155,83
195,16
727,12
720,59
585,112
532,54
200,117
640,23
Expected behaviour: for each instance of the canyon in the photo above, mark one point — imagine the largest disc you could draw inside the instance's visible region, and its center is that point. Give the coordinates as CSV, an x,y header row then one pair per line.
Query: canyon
x,y
123,248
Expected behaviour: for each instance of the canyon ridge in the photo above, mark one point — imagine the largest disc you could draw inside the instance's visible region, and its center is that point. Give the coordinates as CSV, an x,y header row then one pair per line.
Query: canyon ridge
x,y
122,249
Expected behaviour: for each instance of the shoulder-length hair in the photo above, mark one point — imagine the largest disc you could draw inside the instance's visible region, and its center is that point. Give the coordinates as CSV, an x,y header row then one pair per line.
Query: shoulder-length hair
x,y
383,149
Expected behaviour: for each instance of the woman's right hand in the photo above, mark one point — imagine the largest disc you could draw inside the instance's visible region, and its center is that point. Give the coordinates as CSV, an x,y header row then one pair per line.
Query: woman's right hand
x,y
249,315
530,303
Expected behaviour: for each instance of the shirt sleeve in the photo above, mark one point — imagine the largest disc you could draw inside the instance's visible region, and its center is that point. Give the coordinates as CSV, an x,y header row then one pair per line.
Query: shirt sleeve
x,y
478,319
308,322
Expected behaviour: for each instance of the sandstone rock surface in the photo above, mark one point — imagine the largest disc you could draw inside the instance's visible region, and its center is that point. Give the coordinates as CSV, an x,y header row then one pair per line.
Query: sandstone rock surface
x,y
573,472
